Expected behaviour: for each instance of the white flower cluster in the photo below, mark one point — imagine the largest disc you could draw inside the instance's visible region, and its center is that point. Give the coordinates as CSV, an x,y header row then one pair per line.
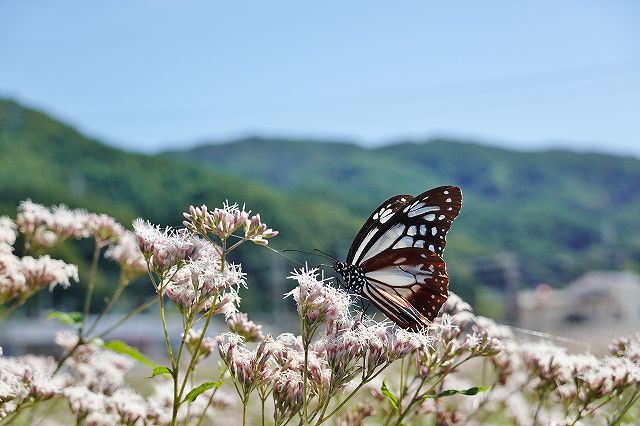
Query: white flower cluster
x,y
227,220
26,379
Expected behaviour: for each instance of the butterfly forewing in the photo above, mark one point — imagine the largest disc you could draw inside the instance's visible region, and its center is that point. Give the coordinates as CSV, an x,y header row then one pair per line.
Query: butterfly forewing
x,y
376,225
404,221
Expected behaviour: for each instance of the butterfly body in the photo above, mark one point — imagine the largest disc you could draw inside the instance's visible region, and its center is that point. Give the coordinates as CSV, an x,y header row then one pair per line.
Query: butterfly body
x,y
395,260
353,276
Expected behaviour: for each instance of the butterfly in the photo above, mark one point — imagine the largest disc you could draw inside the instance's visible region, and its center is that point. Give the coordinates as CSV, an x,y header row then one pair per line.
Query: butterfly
x,y
395,260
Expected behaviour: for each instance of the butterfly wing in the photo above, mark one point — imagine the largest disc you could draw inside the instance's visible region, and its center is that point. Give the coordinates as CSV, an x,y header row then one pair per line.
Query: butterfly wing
x,y
404,221
375,225
409,285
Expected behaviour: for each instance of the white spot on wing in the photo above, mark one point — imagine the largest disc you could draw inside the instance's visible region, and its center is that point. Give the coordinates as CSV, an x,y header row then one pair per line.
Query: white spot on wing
x,y
393,276
434,231
364,244
404,242
383,242
422,210
430,217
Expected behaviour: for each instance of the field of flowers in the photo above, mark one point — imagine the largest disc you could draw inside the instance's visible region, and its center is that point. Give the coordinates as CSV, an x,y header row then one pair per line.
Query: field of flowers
x,y
339,366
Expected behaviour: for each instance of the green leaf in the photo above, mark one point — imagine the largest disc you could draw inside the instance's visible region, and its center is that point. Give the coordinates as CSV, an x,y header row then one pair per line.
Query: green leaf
x,y
390,396
161,370
471,391
71,318
121,347
193,394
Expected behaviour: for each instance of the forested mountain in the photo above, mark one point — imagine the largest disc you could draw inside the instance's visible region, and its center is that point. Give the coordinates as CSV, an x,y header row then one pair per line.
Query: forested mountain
x,y
559,212
556,213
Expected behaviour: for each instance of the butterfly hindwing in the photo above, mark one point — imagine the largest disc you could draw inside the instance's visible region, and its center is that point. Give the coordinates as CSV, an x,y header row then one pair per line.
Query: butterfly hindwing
x,y
409,285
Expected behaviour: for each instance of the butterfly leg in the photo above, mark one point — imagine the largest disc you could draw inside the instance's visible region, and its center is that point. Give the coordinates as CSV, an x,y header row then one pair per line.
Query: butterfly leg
x,y
364,308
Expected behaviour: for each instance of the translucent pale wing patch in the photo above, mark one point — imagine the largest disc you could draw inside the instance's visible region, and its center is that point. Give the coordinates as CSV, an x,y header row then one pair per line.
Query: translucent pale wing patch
x,y
405,221
374,226
409,285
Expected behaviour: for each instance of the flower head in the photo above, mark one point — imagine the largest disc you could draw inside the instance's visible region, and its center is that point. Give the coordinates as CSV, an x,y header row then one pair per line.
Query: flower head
x,y
317,302
166,248
239,323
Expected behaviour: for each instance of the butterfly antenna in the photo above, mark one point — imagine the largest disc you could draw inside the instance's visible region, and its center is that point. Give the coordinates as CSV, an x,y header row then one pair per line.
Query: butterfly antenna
x,y
325,255
284,255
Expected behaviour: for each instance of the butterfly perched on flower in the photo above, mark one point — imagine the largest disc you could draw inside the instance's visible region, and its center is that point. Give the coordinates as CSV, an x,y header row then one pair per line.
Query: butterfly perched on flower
x,y
395,261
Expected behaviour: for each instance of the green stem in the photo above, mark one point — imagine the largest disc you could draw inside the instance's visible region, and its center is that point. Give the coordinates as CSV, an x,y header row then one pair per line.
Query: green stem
x,y
67,356
196,351
244,413
15,305
324,418
401,383
122,284
92,283
127,317
304,373
177,400
404,413
634,398
213,394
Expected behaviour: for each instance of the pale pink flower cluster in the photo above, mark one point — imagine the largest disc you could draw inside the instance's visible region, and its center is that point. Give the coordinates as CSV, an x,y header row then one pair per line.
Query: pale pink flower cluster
x,y
289,358
99,370
123,406
191,339
95,390
249,369
128,255
44,227
8,232
13,283
628,347
365,347
104,228
164,249
240,324
21,277
317,302
577,378
287,395
227,220
46,271
26,378
195,284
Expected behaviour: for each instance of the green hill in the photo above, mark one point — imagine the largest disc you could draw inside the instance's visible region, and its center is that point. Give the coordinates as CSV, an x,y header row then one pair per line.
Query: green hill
x,y
561,213
557,213
51,163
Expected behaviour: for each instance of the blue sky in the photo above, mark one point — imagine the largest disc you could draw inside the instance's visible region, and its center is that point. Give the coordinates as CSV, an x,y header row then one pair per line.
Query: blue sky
x,y
148,75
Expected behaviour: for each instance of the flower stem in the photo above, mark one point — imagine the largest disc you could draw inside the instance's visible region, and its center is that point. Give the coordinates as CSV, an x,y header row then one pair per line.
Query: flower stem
x,y
324,418
92,283
130,315
244,413
122,284
634,398
305,343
